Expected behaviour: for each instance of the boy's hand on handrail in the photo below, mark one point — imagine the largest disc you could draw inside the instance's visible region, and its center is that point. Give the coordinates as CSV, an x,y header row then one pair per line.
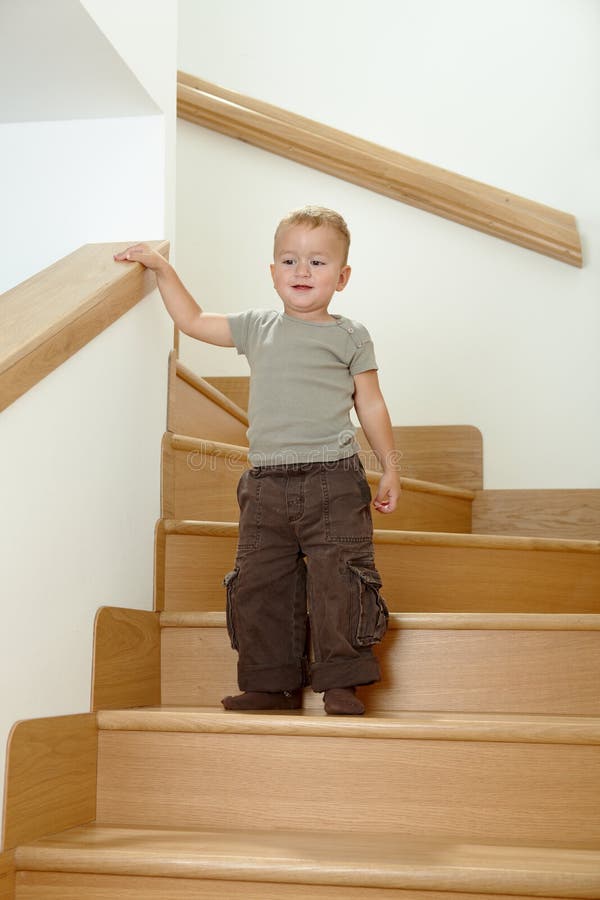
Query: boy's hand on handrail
x,y
143,254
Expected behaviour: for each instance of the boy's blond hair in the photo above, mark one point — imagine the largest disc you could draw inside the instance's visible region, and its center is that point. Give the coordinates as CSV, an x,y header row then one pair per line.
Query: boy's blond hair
x,y
314,217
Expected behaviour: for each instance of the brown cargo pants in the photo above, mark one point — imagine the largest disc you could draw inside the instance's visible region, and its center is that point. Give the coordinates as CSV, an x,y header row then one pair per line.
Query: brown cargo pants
x,y
305,551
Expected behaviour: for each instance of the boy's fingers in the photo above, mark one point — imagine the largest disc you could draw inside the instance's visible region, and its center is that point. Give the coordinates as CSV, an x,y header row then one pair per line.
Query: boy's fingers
x,y
130,252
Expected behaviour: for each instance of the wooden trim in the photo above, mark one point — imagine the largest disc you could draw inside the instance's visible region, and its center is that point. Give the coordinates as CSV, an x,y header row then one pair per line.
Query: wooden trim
x,y
208,529
176,336
249,863
425,487
210,448
160,549
7,875
421,726
167,476
50,777
171,389
126,666
483,541
427,621
472,203
212,393
240,454
425,538
236,387
74,886
52,315
191,619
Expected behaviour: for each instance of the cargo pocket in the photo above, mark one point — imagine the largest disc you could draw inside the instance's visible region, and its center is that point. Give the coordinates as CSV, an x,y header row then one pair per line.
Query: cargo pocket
x,y
346,499
230,582
368,608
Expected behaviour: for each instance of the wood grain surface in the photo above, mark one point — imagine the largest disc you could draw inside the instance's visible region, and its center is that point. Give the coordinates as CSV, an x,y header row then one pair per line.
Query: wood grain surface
x,y
50,777
52,315
323,860
126,665
388,172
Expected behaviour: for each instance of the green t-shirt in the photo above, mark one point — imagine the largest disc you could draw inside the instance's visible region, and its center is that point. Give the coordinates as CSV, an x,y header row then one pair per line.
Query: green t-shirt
x,y
301,385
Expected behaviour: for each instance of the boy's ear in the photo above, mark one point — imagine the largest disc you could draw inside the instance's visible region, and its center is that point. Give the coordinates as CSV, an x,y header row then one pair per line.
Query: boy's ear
x,y
272,270
344,278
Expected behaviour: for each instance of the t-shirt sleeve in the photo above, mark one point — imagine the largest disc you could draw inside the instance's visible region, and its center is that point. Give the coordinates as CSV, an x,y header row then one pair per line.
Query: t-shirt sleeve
x,y
363,359
239,324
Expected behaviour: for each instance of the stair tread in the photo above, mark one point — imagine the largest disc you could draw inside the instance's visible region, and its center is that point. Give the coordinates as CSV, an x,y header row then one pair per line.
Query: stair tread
x,y
424,538
433,621
496,727
343,858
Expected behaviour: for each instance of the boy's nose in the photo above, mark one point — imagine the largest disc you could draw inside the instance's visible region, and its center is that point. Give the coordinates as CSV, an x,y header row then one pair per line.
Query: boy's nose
x,y
302,268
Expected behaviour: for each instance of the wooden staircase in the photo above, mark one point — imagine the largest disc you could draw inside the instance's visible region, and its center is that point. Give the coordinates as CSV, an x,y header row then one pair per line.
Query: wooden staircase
x,y
475,773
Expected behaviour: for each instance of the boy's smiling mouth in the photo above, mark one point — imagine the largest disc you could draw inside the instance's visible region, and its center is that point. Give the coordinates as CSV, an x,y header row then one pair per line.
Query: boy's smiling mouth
x,y
302,287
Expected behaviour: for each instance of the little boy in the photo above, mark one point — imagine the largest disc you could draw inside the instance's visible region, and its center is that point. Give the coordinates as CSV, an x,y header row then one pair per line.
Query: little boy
x,y
305,535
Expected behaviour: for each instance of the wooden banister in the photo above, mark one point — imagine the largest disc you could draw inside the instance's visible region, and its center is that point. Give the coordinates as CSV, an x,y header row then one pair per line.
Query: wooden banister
x,y
212,393
240,454
52,315
472,203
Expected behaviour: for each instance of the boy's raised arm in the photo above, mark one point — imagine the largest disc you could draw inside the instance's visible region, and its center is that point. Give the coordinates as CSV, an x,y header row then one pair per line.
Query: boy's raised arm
x,y
190,318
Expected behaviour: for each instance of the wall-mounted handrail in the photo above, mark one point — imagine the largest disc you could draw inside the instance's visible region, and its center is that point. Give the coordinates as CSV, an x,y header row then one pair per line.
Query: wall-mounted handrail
x,y
472,203
52,315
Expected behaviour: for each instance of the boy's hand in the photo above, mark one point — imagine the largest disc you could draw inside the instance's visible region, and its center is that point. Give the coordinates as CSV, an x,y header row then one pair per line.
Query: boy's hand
x,y
141,253
388,493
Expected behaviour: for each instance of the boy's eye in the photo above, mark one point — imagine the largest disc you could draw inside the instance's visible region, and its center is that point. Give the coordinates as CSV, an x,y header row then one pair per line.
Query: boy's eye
x,y
288,262
317,262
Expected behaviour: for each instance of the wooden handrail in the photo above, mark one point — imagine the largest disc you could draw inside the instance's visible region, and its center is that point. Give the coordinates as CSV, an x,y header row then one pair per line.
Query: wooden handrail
x,y
240,454
211,392
52,315
472,203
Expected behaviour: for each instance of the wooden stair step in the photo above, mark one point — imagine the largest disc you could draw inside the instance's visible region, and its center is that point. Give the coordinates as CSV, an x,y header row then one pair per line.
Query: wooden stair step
x,y
421,571
199,481
439,726
531,778
350,860
458,662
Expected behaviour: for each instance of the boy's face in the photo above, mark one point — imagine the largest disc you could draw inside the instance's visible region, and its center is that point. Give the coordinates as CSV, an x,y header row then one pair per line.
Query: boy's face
x,y
308,269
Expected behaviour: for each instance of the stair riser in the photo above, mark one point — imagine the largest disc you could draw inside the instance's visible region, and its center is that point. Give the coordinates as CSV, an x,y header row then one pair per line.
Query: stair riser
x,y
201,486
540,672
62,886
499,791
415,578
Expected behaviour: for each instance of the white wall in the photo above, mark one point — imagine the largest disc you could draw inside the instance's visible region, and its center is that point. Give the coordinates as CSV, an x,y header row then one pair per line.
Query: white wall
x,y
144,33
68,183
80,452
468,329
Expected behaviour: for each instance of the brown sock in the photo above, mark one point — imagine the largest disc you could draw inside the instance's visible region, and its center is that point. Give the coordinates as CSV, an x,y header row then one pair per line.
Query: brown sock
x,y
342,702
264,700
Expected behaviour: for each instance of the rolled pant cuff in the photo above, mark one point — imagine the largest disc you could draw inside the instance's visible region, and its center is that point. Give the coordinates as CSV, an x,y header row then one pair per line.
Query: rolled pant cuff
x,y
276,678
344,673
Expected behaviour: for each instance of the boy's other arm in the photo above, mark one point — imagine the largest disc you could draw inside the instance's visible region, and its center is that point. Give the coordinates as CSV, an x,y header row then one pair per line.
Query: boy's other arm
x,y
190,318
375,421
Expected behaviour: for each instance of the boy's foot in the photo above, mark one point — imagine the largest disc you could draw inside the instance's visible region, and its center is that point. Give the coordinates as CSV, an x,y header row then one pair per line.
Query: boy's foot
x,y
342,702
264,700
